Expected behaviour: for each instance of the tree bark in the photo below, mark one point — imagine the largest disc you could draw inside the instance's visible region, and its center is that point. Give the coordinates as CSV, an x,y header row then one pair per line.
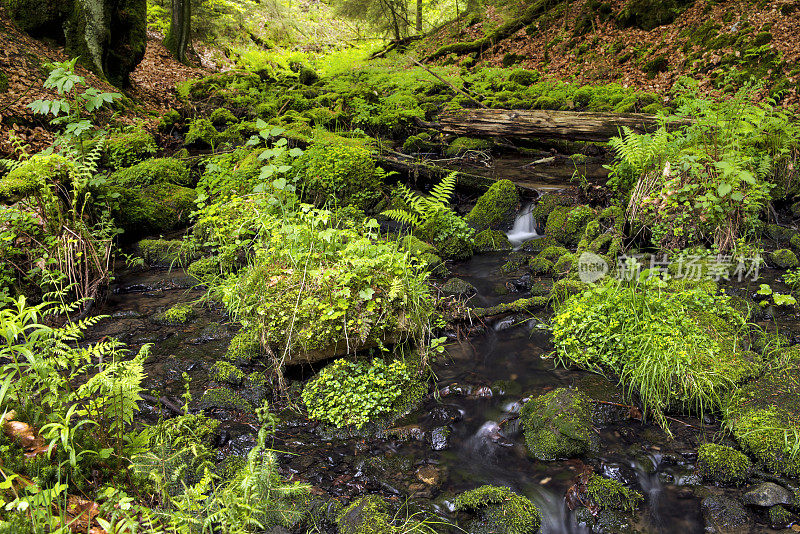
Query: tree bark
x,y
419,17
571,125
180,29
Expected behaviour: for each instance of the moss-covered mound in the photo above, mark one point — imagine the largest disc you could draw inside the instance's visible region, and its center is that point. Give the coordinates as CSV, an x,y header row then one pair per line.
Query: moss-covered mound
x,y
783,259
153,171
30,177
499,510
460,145
566,225
176,315
154,209
129,147
722,464
492,241
608,494
558,424
495,209
167,252
764,416
547,203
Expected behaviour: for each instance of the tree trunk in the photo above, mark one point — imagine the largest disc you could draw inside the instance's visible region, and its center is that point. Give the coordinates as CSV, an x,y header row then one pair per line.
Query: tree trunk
x,y
180,28
572,125
419,17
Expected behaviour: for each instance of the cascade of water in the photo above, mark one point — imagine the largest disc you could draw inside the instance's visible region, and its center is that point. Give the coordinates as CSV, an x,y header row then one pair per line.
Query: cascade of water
x,y
524,227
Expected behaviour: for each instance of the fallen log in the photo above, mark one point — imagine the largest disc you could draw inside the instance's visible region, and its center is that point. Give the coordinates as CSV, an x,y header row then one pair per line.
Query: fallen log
x,y
429,173
571,125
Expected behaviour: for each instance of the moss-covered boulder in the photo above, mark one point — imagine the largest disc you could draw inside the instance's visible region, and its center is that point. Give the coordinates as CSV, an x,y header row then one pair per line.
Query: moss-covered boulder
x,y
783,259
608,494
166,252
566,225
564,289
558,424
31,177
245,347
492,241
540,265
155,209
547,203
764,416
176,315
457,287
225,399
499,510
495,209
225,372
721,464
129,147
461,145
153,171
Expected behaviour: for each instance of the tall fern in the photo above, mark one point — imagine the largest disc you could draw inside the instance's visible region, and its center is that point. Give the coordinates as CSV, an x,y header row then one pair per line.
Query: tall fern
x,y
421,208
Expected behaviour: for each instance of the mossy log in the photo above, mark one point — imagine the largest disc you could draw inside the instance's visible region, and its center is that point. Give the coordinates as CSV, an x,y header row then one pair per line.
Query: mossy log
x,y
571,125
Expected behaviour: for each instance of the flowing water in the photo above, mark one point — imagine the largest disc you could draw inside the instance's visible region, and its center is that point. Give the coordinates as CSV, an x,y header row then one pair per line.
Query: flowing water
x,y
463,435
524,228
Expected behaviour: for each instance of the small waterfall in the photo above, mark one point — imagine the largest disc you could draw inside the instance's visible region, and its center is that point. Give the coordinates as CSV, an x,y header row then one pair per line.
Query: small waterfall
x,y
524,227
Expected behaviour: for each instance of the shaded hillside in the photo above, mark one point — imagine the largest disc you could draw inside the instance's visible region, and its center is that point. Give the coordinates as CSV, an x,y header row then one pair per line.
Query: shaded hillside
x,y
625,41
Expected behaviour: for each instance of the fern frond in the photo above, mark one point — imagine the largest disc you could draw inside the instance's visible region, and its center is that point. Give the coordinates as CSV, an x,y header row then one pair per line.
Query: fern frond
x,y
402,216
443,191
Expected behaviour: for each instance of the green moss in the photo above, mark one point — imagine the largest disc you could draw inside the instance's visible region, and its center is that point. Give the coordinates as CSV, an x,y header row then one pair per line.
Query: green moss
x,y
224,371
224,399
500,510
764,417
558,424
165,251
169,120
129,147
32,176
492,241
418,143
307,76
155,209
415,246
460,145
541,265
566,225
523,305
207,269
779,516
202,133
3,82
496,207
244,347
153,171
722,464
783,258
222,117
339,174
366,515
547,203
553,253
524,77
565,288
176,315
566,264
608,494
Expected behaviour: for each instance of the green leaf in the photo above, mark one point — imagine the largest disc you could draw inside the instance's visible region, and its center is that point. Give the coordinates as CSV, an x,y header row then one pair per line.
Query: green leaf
x,y
724,188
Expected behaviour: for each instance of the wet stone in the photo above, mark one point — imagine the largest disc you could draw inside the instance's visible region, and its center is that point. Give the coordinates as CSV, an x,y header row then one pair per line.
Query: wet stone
x,y
724,515
440,438
445,413
211,332
458,288
767,494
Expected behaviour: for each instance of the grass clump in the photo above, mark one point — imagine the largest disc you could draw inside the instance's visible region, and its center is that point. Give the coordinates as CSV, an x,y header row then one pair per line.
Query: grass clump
x,y
722,464
500,510
372,514
673,349
355,393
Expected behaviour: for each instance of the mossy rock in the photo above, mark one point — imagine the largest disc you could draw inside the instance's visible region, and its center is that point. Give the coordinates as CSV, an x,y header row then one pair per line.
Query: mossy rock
x,y
649,14
499,510
764,417
224,398
127,148
169,120
565,288
31,177
155,209
415,245
539,244
372,514
565,265
225,372
783,259
153,171
222,118
245,347
166,252
496,208
721,464
210,268
460,145
566,225
177,314
524,77
547,203
492,241
558,424
608,494
780,234
419,143
540,265
202,134
458,288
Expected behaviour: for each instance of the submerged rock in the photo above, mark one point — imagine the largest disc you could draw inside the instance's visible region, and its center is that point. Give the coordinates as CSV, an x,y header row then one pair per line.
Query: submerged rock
x,y
723,515
558,424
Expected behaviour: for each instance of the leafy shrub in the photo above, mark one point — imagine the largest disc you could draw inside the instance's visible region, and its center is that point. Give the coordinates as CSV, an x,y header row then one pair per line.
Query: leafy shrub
x,y
674,349
347,393
708,181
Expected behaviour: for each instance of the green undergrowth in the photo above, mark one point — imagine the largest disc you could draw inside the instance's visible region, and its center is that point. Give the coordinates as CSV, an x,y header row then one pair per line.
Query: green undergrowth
x,y
674,349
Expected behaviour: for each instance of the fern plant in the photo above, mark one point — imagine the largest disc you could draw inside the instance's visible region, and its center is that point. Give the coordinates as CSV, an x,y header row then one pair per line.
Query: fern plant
x,y
433,220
